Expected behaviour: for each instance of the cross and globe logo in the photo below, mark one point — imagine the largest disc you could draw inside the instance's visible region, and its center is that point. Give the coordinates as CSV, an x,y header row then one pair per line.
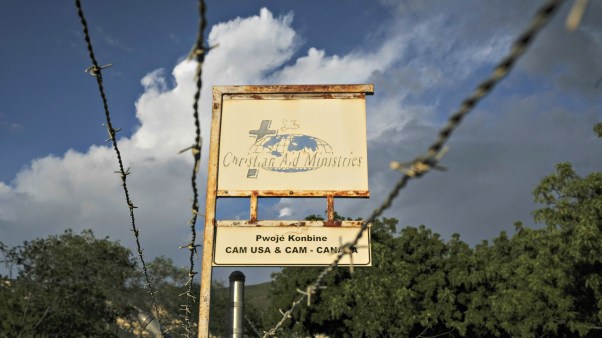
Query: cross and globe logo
x,y
285,150
287,147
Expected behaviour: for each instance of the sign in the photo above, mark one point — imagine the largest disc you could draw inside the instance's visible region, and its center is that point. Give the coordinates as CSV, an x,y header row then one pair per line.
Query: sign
x,y
285,143
287,243
283,140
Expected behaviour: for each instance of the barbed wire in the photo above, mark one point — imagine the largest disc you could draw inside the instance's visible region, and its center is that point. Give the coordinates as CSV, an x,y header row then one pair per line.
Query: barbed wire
x,y
253,326
424,163
198,53
96,71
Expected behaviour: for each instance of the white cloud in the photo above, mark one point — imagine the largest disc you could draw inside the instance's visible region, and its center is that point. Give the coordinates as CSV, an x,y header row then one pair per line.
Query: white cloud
x,y
165,115
318,68
80,190
247,49
285,212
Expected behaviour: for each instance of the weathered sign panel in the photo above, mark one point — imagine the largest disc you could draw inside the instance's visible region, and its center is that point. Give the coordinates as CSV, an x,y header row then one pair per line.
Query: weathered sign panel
x,y
284,140
304,142
287,243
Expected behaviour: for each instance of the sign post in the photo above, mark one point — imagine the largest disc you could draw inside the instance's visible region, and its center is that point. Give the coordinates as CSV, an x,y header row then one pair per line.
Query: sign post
x,y
283,141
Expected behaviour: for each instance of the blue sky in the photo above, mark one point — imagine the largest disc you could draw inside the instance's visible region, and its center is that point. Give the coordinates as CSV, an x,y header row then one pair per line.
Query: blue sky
x,y
424,57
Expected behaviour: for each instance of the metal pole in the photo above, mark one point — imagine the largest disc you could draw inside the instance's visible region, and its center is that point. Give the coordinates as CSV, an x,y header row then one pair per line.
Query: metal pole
x,y
210,202
148,323
237,296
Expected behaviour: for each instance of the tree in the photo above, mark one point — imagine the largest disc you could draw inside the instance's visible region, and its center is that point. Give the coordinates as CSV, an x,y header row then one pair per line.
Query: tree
x,y
76,285
170,282
405,293
544,282
66,286
170,285
573,214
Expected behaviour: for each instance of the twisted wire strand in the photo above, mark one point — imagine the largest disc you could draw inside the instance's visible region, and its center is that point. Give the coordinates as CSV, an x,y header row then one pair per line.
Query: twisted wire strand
x,y
198,53
252,326
96,71
423,164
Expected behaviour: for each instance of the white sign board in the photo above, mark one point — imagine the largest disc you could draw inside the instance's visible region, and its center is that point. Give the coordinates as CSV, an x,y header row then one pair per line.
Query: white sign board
x,y
305,143
284,140
269,243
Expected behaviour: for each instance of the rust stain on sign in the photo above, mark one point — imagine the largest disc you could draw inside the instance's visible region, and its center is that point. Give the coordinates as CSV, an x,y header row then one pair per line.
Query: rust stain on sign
x,y
253,212
333,223
297,89
290,193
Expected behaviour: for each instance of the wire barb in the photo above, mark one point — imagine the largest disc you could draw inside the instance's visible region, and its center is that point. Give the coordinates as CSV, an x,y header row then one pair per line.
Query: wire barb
x,y
436,151
123,173
575,15
94,70
195,149
190,246
197,52
421,165
112,132
348,250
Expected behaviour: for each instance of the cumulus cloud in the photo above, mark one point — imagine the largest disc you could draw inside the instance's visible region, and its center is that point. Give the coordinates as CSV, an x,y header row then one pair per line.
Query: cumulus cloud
x,y
421,70
317,68
250,48
79,189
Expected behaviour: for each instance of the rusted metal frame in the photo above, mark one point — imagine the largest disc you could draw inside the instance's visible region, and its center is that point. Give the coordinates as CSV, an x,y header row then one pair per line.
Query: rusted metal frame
x,y
283,223
368,89
254,194
294,96
291,193
210,203
330,207
253,211
212,192
330,221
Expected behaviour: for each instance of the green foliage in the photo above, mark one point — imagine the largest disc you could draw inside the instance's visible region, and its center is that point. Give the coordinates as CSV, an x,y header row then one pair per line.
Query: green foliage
x,y
543,282
598,129
169,282
405,293
76,285
66,286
